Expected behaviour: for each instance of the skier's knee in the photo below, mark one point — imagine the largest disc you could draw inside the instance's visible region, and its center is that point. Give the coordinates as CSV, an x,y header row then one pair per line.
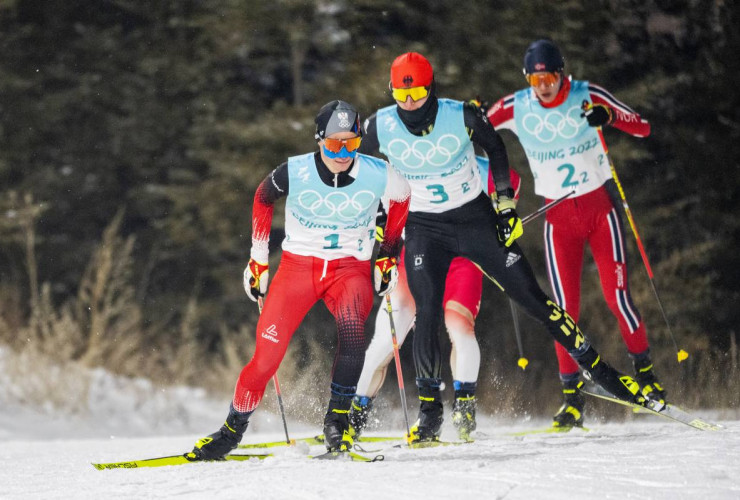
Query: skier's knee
x,y
564,328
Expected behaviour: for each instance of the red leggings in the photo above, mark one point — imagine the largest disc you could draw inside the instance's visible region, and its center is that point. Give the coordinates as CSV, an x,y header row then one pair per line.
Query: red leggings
x,y
300,282
591,218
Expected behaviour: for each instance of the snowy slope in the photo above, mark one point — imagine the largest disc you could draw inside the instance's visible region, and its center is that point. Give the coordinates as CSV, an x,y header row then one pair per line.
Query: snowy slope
x,y
646,459
639,460
47,455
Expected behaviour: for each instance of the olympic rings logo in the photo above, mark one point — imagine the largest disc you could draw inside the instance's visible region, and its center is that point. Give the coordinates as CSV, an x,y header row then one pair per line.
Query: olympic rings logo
x,y
554,124
336,204
424,152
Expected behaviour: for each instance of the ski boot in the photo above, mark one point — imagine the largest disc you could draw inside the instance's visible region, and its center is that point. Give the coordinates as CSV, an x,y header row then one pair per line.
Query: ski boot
x,y
463,409
570,413
358,415
600,372
336,422
428,427
645,375
217,445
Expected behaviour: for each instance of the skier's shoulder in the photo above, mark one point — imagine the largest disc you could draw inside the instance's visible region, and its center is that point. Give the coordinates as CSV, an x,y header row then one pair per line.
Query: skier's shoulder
x,y
502,111
372,162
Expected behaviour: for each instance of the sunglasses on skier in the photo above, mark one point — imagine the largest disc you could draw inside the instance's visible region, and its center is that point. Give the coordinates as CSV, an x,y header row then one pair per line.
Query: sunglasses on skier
x,y
416,93
335,145
537,79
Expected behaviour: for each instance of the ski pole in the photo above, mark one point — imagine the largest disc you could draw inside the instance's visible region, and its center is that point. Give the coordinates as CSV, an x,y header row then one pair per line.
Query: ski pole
x,y
680,353
545,208
522,362
277,391
397,356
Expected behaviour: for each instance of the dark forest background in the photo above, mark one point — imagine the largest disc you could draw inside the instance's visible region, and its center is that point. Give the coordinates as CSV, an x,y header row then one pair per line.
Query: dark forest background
x,y
134,133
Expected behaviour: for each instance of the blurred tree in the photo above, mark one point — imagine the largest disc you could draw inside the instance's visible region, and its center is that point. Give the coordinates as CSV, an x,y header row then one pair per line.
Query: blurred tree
x,y
176,110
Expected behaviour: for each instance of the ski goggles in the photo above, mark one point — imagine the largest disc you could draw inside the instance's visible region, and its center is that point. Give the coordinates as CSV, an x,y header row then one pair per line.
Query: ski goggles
x,y
342,148
416,93
537,79
336,145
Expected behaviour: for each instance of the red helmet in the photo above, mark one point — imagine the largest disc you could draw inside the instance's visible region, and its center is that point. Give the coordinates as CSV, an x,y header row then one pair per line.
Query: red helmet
x,y
411,70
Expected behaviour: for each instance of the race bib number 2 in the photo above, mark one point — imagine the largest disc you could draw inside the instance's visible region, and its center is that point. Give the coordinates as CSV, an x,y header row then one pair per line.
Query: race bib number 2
x,y
571,179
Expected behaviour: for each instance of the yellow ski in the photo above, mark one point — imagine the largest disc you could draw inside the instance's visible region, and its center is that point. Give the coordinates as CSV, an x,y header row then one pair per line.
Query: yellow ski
x,y
173,460
316,440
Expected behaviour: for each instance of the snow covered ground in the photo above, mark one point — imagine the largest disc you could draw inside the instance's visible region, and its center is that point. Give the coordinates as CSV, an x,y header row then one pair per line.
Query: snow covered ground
x,y
46,455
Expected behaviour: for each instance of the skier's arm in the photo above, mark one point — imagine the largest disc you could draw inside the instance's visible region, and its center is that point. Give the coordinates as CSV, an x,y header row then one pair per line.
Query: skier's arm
x,y
370,144
271,189
623,117
483,134
489,186
501,114
516,183
398,193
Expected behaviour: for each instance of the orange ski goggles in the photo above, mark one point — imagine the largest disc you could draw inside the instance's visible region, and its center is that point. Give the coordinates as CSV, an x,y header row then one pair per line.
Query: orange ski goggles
x,y
416,93
537,79
335,145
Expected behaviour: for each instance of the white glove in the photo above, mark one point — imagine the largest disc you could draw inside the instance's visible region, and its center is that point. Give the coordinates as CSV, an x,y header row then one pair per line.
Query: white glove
x,y
386,275
256,276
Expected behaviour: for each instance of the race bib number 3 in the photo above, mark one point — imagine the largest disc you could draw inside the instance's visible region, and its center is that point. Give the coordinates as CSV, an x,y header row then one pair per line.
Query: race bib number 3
x,y
438,193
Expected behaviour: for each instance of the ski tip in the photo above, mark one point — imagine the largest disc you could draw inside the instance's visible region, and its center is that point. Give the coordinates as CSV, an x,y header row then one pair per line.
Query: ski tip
x,y
523,362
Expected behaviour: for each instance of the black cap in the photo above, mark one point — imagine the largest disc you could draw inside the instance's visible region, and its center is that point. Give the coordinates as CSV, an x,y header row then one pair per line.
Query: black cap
x,y
543,55
337,116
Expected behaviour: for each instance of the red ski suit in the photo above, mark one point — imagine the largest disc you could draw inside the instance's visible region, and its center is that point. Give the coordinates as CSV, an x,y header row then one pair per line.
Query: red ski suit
x,y
324,272
590,218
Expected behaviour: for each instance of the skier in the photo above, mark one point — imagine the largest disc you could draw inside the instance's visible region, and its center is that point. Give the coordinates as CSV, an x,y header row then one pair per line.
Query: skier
x,y
430,140
461,304
565,147
332,199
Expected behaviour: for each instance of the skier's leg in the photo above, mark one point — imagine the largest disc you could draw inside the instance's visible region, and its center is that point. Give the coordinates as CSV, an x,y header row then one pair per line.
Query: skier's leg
x,y
564,257
349,297
463,289
564,246
428,258
289,298
380,351
509,268
608,247
462,297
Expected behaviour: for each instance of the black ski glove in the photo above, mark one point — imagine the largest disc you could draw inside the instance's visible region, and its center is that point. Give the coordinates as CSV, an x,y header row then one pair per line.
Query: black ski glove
x,y
598,115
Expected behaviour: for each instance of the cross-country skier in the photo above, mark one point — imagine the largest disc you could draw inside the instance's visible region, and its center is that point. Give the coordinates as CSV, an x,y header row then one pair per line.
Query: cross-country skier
x,y
565,147
461,304
332,198
430,140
